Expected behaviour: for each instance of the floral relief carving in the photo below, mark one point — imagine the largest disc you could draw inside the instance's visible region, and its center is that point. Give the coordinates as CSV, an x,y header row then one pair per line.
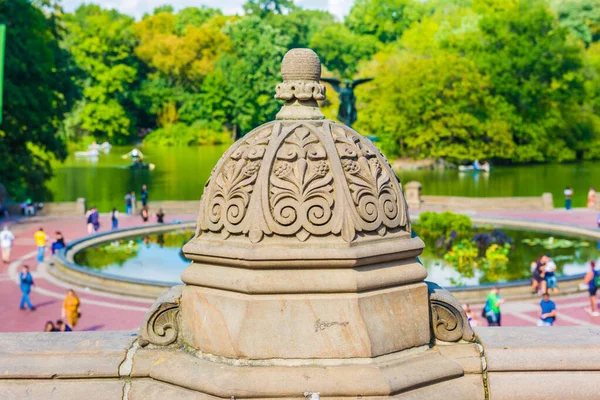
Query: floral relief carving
x,y
302,179
370,184
233,185
301,187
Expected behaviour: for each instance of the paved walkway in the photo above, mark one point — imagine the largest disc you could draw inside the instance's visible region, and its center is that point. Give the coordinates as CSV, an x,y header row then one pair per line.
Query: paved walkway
x,y
99,311
103,311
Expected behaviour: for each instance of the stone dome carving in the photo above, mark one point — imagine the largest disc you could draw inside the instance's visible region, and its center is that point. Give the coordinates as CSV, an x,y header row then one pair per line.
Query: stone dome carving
x,y
300,182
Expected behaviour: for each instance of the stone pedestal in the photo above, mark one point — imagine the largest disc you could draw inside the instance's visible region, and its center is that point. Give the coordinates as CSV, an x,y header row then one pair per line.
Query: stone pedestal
x,y
412,191
304,272
547,201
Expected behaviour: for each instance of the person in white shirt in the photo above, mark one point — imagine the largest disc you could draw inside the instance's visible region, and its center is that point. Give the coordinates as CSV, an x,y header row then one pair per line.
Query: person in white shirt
x,y
6,242
551,284
568,201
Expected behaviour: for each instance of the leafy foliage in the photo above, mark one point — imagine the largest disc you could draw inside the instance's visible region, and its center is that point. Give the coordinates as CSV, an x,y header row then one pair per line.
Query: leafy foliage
x,y
341,50
101,43
436,224
37,92
506,80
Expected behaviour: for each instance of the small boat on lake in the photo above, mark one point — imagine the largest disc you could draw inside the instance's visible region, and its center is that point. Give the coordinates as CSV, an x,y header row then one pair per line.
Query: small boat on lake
x,y
89,153
475,167
142,165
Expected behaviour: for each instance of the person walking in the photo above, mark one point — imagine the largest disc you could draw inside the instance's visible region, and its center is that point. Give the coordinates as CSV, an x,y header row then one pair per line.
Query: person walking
x,y
160,216
133,203
95,219
26,282
592,278
568,195
547,311
114,219
550,273
59,243
144,214
6,243
128,204
40,238
591,198
144,195
492,307
88,221
70,310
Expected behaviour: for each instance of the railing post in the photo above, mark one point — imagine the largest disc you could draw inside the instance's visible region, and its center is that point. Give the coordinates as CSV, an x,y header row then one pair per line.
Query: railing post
x,y
413,194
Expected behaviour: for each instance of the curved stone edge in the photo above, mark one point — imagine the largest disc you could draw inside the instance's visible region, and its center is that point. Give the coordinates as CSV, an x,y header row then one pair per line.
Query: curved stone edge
x,y
160,325
449,321
63,267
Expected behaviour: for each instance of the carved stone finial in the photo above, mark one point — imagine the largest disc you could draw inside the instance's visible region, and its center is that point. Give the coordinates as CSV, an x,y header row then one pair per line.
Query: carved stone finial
x,y
301,71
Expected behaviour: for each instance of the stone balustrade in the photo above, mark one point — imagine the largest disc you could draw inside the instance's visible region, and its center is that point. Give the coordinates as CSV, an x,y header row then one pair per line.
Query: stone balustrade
x,y
507,363
417,201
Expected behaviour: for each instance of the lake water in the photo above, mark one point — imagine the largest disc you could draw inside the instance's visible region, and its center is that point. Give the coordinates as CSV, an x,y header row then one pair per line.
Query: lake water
x,y
181,172
159,258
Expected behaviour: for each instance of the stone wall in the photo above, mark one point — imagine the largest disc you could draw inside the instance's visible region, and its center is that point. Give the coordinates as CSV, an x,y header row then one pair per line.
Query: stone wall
x,y
53,208
507,363
416,201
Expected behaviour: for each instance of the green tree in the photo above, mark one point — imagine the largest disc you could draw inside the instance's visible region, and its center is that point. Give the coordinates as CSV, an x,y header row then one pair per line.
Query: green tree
x,y
581,17
435,106
384,19
251,72
194,16
342,50
37,91
301,25
538,71
262,8
101,43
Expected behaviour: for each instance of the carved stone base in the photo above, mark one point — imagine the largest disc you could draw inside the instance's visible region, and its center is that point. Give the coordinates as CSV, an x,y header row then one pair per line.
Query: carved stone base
x,y
399,374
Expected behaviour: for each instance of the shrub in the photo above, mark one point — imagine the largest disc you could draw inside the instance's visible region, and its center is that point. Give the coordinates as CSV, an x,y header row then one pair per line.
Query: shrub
x,y
199,133
437,224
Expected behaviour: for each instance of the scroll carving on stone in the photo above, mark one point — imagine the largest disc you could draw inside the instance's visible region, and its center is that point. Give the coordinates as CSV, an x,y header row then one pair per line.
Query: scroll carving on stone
x,y
318,178
301,186
234,183
448,319
160,326
372,190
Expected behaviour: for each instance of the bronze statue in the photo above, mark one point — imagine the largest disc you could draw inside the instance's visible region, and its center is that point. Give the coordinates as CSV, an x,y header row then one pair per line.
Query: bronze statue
x,y
347,112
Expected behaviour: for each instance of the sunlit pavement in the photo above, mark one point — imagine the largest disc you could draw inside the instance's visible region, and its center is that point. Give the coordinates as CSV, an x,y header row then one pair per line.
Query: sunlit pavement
x,y
99,311
103,311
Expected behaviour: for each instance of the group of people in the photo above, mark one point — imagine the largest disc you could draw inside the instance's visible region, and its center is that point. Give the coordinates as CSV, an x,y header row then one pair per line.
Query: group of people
x,y
70,314
491,310
93,218
543,275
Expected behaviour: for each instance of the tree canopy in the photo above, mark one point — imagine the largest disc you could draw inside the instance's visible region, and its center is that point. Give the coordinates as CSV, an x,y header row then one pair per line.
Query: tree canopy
x,y
507,80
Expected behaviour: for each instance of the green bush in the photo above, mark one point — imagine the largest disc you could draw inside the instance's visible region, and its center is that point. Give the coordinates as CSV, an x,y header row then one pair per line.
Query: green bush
x,y
199,133
437,224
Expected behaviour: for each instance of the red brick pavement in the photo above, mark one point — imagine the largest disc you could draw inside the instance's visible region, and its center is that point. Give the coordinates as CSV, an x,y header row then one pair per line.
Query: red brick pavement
x,y
99,311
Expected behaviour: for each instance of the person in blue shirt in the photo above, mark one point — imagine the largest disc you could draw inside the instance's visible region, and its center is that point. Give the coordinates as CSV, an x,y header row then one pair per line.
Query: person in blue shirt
x,y
591,278
59,243
26,282
62,327
547,311
144,195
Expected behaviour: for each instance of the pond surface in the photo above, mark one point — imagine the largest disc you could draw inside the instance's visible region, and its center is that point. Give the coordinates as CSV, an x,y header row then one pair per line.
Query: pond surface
x,y
181,172
159,258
